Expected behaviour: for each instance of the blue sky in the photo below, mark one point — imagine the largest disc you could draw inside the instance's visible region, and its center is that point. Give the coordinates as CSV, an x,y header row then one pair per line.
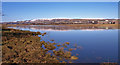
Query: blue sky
x,y
60,0
31,10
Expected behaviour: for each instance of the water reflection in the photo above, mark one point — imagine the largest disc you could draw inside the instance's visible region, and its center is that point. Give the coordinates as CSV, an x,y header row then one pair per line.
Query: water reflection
x,y
100,45
62,28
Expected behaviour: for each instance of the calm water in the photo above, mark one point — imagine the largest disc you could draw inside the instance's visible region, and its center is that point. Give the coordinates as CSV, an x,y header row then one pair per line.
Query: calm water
x,y
94,44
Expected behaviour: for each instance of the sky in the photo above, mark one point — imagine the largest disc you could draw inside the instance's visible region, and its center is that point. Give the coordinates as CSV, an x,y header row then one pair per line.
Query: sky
x,y
60,0
15,11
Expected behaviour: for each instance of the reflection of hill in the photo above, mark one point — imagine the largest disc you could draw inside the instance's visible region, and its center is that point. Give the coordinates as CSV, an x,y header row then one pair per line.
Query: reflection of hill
x,y
62,28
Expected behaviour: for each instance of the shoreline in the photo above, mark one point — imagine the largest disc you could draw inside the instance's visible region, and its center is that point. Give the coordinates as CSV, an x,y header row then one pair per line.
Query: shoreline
x,y
25,46
17,49
111,26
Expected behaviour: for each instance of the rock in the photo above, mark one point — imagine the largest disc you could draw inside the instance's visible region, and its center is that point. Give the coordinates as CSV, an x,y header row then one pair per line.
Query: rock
x,y
58,45
70,49
67,43
52,40
74,58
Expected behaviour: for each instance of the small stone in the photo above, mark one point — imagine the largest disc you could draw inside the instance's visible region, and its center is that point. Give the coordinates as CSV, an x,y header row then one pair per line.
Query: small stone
x,y
74,58
67,43
70,49
58,45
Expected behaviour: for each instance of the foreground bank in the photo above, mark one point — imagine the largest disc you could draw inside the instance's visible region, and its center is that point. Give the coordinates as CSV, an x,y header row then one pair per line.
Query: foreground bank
x,y
25,47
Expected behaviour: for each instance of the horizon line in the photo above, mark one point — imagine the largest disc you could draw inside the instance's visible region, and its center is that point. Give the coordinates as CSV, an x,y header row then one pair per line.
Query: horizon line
x,y
63,18
58,18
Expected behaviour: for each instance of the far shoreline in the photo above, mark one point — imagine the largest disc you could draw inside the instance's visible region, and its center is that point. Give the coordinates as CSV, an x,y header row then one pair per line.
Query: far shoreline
x,y
114,26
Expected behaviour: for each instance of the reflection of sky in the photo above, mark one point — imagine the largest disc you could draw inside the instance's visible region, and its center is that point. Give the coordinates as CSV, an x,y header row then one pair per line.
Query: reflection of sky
x,y
46,30
97,45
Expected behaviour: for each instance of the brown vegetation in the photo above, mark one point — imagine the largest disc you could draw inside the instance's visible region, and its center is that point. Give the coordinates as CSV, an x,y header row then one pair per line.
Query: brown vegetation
x,y
25,47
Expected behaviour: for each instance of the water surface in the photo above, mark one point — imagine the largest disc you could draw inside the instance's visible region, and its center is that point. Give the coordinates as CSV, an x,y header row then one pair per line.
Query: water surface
x,y
94,44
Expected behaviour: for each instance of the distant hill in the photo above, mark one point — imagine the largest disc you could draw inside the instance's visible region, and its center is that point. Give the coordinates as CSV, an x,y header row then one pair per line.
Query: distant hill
x,y
66,21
